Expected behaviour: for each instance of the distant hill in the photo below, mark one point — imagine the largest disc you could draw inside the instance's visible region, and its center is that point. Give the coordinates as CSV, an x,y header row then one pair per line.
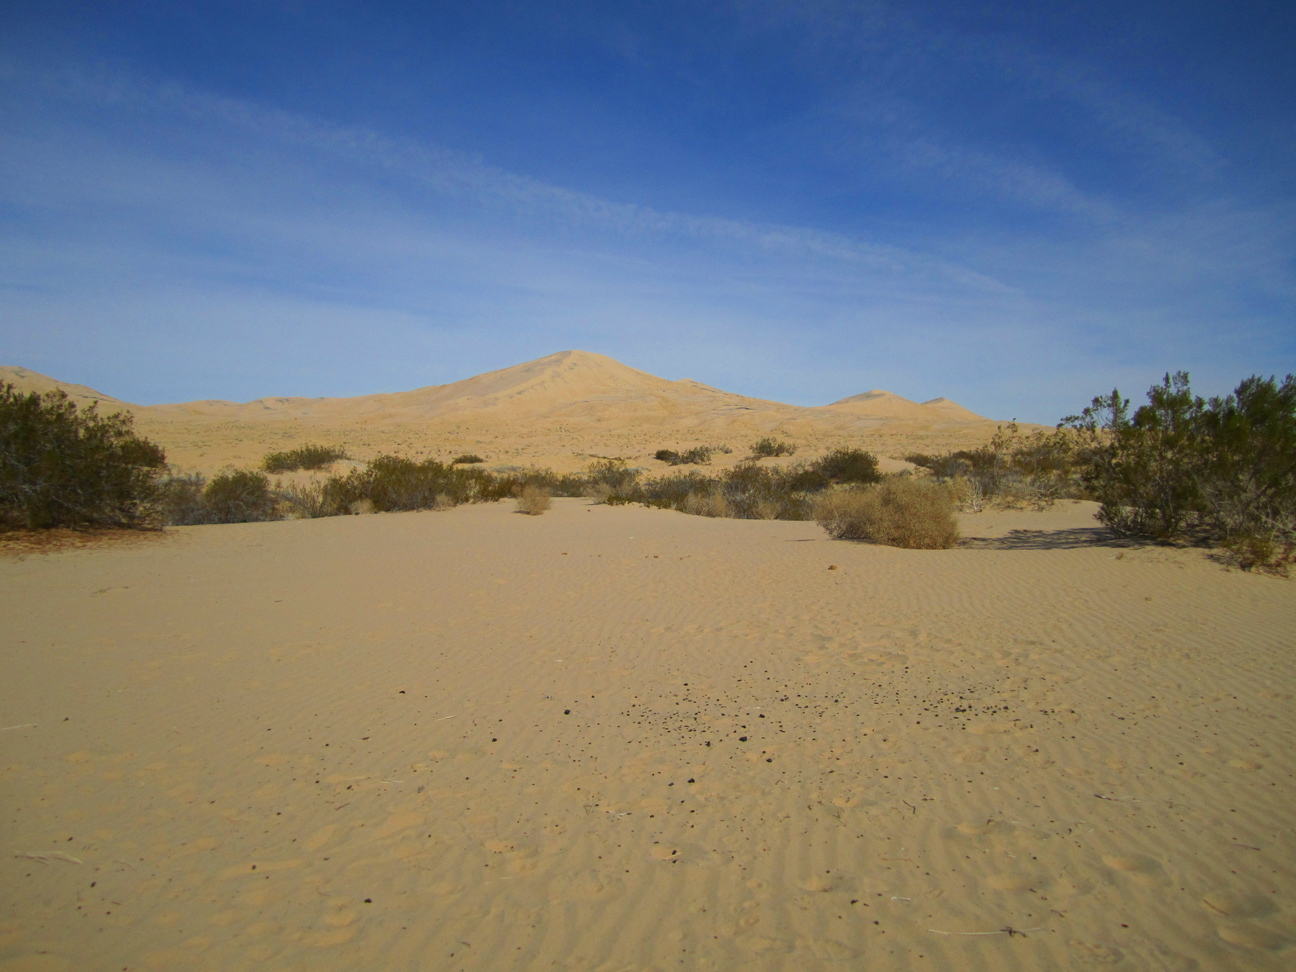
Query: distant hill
x,y
26,380
552,410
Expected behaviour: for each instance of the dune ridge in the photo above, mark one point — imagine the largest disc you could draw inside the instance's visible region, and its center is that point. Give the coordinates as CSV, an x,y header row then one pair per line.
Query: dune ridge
x,y
554,411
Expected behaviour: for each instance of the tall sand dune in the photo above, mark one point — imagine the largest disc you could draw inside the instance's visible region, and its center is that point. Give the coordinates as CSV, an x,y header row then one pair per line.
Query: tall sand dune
x,y
556,411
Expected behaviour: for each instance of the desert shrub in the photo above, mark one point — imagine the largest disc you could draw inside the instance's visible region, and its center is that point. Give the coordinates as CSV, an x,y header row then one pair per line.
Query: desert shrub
x,y
1259,552
182,501
61,466
620,480
759,493
849,466
239,496
839,467
671,491
1248,478
697,456
303,457
900,511
467,459
394,483
306,501
770,446
1225,468
707,504
748,492
533,500
1011,469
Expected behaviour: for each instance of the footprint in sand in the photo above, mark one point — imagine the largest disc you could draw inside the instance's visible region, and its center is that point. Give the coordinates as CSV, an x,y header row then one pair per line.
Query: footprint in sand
x,y
818,884
1094,955
1251,936
1012,882
975,828
1141,869
1238,905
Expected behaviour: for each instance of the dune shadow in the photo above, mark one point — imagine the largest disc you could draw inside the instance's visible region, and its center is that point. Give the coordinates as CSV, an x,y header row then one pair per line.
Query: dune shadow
x,y
1068,539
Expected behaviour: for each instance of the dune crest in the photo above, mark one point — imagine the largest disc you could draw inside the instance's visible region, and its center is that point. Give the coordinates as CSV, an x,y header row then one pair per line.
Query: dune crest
x,y
556,410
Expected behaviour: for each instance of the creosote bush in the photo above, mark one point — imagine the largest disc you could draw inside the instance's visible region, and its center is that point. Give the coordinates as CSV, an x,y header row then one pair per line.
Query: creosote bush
x,y
61,466
1223,469
769,446
303,457
900,511
240,496
697,456
1011,469
533,500
467,459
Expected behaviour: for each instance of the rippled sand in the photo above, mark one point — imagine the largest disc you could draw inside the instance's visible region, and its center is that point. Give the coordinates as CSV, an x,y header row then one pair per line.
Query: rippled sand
x,y
616,739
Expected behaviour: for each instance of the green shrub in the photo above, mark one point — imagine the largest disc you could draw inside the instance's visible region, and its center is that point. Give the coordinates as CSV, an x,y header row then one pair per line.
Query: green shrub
x,y
770,446
393,483
239,496
1012,468
839,467
305,501
1225,468
697,456
901,511
182,501
467,459
615,475
65,467
303,457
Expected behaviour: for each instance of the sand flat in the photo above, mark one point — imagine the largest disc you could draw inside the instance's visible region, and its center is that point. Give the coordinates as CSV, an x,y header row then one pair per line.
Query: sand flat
x,y
620,738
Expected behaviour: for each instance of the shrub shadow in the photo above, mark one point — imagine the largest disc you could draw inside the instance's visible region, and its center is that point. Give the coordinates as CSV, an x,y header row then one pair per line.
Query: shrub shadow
x,y
1068,539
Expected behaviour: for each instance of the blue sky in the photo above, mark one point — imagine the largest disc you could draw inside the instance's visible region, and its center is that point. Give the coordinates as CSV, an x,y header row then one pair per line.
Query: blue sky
x,y
1014,205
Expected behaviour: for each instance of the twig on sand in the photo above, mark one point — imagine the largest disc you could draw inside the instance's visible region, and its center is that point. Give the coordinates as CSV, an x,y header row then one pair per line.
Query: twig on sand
x,y
25,725
117,860
1117,799
1008,930
51,856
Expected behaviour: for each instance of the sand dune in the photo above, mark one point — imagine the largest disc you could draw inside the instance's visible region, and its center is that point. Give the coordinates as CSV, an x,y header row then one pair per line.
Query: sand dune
x,y
556,411
26,380
631,739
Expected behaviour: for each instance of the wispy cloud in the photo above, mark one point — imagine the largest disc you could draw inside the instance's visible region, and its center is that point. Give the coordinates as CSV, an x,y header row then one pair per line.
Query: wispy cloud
x,y
246,250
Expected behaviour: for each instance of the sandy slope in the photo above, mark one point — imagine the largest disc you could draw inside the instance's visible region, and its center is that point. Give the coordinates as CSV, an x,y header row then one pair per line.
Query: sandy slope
x,y
558,411
630,739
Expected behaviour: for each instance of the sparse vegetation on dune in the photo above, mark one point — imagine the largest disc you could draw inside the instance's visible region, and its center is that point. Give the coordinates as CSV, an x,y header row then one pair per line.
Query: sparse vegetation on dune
x,y
308,457
697,456
1221,471
769,446
234,496
1011,469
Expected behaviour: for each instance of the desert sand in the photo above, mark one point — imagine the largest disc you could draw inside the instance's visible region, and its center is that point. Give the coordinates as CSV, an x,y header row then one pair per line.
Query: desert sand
x,y
630,739
558,412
